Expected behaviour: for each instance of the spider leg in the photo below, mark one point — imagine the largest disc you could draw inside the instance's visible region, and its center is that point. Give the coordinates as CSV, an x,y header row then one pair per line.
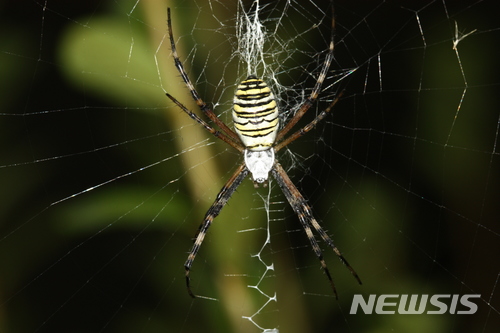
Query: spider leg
x,y
303,211
309,126
214,210
196,97
216,133
316,90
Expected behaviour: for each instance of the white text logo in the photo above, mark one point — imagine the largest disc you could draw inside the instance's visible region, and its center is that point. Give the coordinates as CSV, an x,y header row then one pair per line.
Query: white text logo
x,y
407,304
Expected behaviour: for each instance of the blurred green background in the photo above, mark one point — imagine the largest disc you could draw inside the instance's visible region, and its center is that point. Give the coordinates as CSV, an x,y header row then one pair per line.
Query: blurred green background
x,y
104,182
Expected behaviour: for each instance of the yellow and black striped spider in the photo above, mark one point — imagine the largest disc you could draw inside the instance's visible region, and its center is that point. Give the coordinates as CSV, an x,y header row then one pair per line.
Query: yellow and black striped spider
x,y
258,138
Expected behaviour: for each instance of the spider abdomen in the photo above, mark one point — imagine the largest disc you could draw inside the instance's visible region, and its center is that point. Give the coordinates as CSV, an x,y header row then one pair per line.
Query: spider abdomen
x,y
255,114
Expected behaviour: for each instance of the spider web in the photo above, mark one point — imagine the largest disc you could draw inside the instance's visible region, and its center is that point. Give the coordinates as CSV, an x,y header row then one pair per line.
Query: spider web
x,y
105,182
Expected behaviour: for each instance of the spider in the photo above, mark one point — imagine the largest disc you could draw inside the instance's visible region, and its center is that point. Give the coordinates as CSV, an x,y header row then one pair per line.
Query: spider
x,y
257,136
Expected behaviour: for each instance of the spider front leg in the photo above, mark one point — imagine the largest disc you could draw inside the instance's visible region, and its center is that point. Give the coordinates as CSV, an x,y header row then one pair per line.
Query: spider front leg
x,y
303,211
222,198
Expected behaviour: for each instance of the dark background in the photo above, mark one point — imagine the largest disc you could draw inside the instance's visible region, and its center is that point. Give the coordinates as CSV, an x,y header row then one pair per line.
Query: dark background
x,y
411,183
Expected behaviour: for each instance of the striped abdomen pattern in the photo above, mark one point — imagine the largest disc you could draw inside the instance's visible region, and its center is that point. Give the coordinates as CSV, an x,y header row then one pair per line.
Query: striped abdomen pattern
x,y
255,114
